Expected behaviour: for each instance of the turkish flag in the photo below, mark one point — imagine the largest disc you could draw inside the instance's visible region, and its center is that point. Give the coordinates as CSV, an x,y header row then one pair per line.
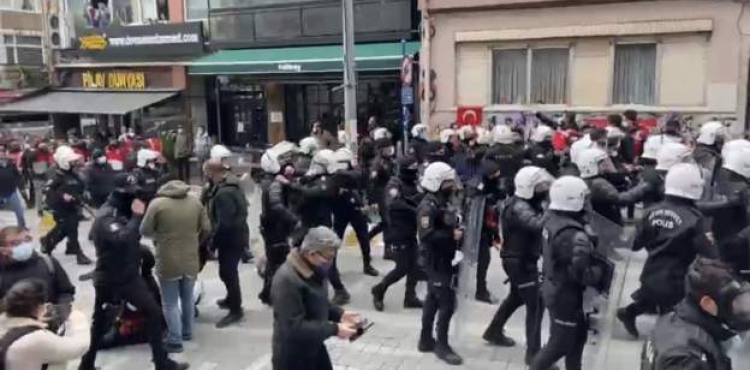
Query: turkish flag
x,y
469,116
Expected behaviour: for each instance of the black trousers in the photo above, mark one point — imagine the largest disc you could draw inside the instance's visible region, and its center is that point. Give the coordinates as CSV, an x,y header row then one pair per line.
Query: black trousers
x,y
334,276
275,257
524,291
139,296
440,302
66,226
183,169
229,262
483,263
406,266
568,333
358,221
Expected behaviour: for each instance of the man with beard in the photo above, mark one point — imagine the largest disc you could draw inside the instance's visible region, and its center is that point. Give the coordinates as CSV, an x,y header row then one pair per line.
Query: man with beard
x,y
402,199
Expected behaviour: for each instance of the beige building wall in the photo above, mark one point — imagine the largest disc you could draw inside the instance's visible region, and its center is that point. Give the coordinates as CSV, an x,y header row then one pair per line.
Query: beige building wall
x,y
698,71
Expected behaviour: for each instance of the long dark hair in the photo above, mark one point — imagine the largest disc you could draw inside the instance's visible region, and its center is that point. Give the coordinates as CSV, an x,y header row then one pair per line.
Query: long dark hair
x,y
25,298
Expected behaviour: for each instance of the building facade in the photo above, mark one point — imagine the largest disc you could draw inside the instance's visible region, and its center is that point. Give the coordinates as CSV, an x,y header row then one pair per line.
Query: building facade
x,y
684,56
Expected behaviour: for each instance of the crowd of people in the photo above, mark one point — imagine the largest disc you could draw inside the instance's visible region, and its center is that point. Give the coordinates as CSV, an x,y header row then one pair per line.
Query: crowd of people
x,y
538,195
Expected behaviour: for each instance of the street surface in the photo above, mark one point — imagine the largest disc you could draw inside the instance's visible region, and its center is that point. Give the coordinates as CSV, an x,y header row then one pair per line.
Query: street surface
x,y
391,344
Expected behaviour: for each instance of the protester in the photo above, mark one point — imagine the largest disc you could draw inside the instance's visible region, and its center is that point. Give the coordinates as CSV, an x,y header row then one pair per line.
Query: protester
x,y
182,153
10,181
177,222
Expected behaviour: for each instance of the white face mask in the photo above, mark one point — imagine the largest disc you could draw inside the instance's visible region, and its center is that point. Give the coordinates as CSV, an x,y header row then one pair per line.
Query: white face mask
x,y
23,252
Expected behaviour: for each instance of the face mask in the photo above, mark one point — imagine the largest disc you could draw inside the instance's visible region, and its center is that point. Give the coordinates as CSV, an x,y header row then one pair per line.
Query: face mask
x,y
101,160
23,252
409,175
324,269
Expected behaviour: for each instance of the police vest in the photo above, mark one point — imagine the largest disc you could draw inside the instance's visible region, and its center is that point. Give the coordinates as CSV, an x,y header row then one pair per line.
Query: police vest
x,y
553,270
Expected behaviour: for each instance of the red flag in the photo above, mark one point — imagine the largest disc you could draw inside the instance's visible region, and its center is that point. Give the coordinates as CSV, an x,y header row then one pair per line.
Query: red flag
x,y
469,116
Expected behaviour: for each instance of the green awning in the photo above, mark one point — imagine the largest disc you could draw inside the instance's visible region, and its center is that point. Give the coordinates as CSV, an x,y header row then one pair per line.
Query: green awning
x,y
309,59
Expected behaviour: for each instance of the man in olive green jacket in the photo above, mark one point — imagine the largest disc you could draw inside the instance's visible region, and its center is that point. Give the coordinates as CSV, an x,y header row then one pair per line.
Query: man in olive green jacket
x,y
177,222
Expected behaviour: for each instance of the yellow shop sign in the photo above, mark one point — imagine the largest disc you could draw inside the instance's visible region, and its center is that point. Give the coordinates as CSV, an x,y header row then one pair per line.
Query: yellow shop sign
x,y
93,42
114,80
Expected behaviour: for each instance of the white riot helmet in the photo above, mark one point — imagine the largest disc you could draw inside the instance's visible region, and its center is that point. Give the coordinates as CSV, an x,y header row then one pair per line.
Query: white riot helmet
x,y
684,180
738,161
502,134
275,158
542,133
466,133
321,162
589,160
419,130
144,156
342,160
655,142
446,134
381,133
671,154
269,162
528,178
220,152
484,136
710,131
568,193
435,175
309,146
65,156
733,145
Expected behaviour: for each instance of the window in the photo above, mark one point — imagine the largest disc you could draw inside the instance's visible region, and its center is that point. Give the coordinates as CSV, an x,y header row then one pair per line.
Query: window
x,y
635,74
196,9
25,5
136,11
21,50
546,84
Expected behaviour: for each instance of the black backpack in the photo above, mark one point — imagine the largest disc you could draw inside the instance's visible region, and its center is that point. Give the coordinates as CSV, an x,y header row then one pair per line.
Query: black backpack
x,y
11,337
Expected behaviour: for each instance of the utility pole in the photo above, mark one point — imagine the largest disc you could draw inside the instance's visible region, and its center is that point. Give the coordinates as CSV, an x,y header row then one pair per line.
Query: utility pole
x,y
350,77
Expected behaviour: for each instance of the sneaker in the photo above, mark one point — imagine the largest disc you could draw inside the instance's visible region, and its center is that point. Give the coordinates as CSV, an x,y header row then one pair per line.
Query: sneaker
x,y
426,344
628,321
82,260
370,271
412,302
222,303
230,319
341,297
170,364
377,298
173,348
500,340
446,353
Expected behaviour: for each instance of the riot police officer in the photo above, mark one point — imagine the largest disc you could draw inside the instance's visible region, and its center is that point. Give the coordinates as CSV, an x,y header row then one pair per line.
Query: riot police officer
x,y
418,142
277,220
708,148
380,171
715,310
672,233
508,155
402,199
117,276
541,153
669,155
522,219
568,252
307,149
64,197
440,232
99,178
487,188
148,174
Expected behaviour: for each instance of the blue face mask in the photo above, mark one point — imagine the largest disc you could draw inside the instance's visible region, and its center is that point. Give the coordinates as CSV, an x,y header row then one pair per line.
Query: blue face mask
x,y
324,269
23,252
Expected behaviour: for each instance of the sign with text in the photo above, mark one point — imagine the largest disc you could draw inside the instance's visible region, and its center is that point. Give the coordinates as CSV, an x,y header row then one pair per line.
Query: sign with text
x,y
114,80
132,79
128,42
469,116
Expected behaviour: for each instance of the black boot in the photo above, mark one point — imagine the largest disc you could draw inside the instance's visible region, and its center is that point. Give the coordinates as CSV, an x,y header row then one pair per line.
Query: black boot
x,y
370,271
46,246
222,303
230,318
498,339
377,297
628,321
81,259
412,302
446,353
170,364
426,343
341,297
486,297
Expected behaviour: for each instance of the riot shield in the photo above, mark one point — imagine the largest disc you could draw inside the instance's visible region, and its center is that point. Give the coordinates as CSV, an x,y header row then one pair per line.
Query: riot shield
x,y
474,221
611,235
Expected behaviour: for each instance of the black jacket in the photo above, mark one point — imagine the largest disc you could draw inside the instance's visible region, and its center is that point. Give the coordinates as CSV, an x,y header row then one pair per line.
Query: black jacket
x,y
672,233
436,225
608,201
116,237
317,197
568,256
99,181
709,158
302,317
687,339
401,202
46,269
380,171
227,210
10,179
509,157
64,182
543,155
277,220
655,181
522,222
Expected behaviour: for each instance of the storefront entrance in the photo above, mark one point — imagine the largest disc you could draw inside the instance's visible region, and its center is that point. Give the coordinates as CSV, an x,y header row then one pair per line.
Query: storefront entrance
x,y
244,121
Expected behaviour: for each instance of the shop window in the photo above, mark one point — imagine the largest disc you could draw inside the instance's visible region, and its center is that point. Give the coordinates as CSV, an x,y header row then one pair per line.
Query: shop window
x,y
546,84
21,50
635,74
24,5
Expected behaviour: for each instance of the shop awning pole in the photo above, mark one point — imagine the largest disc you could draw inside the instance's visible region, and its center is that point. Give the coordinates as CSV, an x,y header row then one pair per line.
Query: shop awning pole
x,y
350,79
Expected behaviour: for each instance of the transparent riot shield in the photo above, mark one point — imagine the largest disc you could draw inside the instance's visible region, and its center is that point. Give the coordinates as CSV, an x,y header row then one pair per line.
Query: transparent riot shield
x,y
473,222
611,236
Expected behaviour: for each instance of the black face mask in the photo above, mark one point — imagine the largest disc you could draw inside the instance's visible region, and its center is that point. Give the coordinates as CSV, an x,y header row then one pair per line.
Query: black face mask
x,y
123,203
409,175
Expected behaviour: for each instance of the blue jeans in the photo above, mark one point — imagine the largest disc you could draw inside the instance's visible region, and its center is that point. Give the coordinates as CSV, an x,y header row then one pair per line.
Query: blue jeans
x,y
16,204
178,307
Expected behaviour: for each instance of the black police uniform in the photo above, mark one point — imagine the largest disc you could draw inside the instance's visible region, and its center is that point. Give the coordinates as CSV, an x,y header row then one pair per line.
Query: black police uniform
x,y
491,189
418,148
655,180
687,339
510,158
401,202
522,221
149,181
380,171
66,213
99,179
568,253
117,277
227,209
730,219
277,222
672,233
608,201
543,155
436,225
709,158
347,209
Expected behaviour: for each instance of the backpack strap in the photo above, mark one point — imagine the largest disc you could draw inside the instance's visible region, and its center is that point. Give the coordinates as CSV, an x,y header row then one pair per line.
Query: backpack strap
x,y
11,337
48,262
